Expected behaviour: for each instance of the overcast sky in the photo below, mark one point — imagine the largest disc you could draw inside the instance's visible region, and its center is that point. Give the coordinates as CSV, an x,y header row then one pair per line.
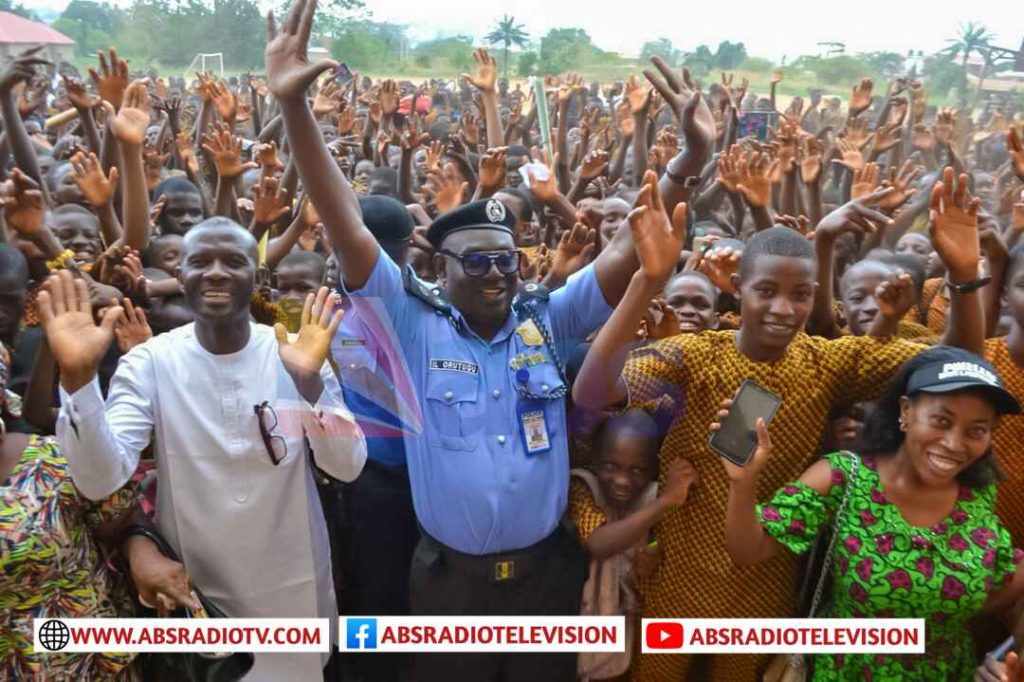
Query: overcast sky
x,y
769,29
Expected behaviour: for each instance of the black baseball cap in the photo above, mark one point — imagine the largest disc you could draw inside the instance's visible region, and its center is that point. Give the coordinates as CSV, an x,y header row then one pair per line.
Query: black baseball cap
x,y
945,376
386,218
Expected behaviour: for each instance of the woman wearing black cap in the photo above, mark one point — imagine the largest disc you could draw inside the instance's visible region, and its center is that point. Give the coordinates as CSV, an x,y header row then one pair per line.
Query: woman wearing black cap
x,y
917,535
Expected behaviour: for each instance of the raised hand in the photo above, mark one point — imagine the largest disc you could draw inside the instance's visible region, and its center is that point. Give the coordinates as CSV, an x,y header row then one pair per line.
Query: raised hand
x,y
944,126
810,160
132,328
389,97
23,206
756,186
445,189
305,356
799,223
78,95
346,120
153,163
268,159
268,201
637,95
854,217
732,168
21,69
857,133
902,184
328,98
226,152
469,130
76,341
695,118
1015,146
851,156
486,76
186,152
865,180
594,164
657,240
493,166
289,73
572,84
922,138
132,119
225,101
720,265
112,79
895,296
860,97
954,227
97,188
413,136
886,137
575,249
545,190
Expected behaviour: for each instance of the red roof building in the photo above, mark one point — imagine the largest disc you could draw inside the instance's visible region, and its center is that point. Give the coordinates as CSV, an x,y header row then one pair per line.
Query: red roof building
x,y
17,34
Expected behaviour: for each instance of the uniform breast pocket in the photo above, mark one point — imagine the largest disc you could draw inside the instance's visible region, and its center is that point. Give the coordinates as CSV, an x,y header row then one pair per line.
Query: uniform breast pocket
x,y
544,380
453,410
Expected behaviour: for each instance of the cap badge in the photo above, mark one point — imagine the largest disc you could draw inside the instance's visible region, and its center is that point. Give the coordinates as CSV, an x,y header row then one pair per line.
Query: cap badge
x,y
495,211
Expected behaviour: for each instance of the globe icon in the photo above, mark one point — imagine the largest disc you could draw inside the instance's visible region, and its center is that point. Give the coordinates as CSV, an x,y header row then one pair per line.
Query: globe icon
x,y
54,635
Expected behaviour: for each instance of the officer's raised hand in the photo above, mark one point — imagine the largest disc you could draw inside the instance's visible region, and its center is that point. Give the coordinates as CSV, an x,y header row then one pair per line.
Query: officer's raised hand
x,y
289,73
657,240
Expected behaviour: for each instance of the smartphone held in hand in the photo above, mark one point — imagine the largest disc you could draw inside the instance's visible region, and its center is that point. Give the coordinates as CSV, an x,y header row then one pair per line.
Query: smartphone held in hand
x,y
736,440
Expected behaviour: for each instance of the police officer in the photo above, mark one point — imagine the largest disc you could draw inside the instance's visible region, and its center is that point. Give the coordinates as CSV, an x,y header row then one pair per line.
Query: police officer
x,y
488,464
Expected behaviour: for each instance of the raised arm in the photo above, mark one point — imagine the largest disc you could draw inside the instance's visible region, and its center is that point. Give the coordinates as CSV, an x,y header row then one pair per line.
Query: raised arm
x,y
289,75
21,69
129,126
658,243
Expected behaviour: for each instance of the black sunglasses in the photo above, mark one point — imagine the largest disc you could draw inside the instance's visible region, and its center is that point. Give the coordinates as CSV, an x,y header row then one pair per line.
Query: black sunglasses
x,y
479,263
264,412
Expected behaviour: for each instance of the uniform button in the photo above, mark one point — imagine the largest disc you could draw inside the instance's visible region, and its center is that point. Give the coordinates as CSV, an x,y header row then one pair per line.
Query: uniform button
x,y
496,393
352,366
501,440
448,395
544,387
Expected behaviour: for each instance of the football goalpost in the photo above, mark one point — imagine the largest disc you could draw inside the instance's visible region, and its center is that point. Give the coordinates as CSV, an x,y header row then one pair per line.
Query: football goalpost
x,y
206,61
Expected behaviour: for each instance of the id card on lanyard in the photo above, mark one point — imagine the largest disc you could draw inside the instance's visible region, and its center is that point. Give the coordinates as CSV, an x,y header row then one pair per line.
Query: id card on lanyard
x,y
533,424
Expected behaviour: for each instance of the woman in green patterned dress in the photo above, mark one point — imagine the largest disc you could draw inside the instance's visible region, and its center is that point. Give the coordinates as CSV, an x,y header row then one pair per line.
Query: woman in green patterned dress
x,y
919,536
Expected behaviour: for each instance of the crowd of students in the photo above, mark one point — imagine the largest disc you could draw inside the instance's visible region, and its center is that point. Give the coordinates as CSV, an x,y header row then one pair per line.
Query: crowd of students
x,y
306,344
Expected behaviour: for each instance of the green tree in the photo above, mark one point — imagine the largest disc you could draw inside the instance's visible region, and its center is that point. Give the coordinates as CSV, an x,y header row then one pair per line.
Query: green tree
x,y
90,24
527,64
972,38
564,49
508,33
940,74
700,60
455,53
661,47
369,44
842,69
729,55
17,8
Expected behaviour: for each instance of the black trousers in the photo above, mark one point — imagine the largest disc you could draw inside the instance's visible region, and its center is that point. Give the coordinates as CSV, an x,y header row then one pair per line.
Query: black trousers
x,y
379,533
554,587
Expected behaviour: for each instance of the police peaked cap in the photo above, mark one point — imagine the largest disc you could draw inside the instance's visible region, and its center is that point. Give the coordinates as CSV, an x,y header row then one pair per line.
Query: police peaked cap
x,y
486,214
386,218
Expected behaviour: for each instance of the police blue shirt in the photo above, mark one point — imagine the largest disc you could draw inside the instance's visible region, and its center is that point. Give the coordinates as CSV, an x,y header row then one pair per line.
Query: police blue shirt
x,y
474,487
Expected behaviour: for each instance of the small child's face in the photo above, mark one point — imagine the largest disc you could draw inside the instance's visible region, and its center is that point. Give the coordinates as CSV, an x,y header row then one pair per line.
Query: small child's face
x,y
622,467
693,301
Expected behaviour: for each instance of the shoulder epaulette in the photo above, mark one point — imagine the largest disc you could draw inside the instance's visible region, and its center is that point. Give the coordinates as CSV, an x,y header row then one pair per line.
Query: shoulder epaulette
x,y
431,294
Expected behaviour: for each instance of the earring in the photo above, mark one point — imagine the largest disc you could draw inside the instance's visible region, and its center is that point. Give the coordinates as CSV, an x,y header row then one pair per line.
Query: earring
x,y
903,424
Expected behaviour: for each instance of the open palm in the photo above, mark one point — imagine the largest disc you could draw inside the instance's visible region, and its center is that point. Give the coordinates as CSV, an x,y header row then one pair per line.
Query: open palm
x,y
305,354
656,239
954,224
289,73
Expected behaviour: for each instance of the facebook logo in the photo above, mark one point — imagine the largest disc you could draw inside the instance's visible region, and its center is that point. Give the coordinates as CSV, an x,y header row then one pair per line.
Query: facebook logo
x,y
361,633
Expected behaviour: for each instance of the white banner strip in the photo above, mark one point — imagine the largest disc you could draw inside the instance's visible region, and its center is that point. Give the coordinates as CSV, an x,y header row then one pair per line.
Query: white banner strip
x,y
369,634
204,635
783,635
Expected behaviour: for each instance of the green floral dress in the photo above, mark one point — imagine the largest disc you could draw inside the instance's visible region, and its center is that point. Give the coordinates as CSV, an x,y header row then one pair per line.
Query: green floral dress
x,y
50,566
885,568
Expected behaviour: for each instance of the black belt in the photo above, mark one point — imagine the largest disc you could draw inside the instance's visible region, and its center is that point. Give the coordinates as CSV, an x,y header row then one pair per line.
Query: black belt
x,y
501,566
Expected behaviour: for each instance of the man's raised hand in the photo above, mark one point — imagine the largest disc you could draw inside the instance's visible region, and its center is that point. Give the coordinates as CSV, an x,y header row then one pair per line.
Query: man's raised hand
x,y
696,120
76,341
657,240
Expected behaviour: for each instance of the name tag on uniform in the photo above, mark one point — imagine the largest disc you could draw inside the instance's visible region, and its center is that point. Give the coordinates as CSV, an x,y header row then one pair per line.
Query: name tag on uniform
x,y
353,342
454,366
529,333
534,428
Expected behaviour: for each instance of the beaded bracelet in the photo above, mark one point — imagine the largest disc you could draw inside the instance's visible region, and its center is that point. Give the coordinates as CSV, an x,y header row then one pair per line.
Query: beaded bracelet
x,y
60,261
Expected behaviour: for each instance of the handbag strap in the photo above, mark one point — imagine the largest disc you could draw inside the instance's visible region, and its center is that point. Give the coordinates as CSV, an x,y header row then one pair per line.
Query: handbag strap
x,y
837,523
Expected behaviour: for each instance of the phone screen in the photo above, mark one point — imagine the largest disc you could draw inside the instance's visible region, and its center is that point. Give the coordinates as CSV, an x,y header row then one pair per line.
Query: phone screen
x,y
756,123
343,74
737,438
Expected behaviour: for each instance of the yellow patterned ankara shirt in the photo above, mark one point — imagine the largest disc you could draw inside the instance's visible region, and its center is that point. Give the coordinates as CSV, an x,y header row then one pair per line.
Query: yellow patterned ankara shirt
x,y
1008,443
698,579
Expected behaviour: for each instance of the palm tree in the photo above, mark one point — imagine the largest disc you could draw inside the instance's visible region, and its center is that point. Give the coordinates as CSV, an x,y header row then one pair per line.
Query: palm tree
x,y
507,32
973,38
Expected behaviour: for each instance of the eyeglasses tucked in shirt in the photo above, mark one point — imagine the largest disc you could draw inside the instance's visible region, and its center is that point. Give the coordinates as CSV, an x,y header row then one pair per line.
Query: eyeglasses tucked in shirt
x,y
277,450
478,263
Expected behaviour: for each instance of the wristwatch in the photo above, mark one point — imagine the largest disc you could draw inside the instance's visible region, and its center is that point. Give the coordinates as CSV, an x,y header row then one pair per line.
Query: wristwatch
x,y
968,287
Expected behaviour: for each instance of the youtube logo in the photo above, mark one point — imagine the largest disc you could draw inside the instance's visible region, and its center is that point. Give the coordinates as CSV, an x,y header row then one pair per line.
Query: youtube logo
x,y
660,635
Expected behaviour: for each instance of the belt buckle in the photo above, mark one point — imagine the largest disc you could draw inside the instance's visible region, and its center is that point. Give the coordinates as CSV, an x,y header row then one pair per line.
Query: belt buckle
x,y
504,570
